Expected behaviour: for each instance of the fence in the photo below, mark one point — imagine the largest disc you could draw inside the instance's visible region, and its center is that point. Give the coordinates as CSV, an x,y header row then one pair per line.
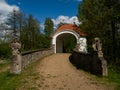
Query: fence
x,y
87,62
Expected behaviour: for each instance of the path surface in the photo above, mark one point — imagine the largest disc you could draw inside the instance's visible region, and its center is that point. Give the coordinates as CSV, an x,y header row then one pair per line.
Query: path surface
x,y
59,74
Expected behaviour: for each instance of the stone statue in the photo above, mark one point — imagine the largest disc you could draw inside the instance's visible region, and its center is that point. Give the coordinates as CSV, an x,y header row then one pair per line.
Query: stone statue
x,y
97,46
16,57
82,45
15,46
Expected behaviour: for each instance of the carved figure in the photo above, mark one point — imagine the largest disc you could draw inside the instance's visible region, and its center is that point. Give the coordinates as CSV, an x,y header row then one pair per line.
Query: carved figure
x,y
97,46
83,45
15,46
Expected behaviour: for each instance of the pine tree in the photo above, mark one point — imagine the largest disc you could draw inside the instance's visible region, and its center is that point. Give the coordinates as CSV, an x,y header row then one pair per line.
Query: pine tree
x,y
49,26
15,19
30,34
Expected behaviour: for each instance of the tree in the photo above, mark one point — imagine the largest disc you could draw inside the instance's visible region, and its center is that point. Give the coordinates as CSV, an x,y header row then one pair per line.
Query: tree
x,y
15,20
48,26
30,34
69,43
99,19
113,6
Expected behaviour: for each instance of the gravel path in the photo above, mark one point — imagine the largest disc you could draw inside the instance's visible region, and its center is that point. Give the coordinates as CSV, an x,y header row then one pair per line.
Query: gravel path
x,y
59,74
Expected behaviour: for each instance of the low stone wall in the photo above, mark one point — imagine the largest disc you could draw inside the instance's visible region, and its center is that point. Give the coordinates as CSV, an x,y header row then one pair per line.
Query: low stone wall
x,y
87,62
29,57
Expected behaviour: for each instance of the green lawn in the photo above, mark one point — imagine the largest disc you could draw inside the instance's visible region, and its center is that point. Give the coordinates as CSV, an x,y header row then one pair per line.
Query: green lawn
x,y
13,82
4,64
114,75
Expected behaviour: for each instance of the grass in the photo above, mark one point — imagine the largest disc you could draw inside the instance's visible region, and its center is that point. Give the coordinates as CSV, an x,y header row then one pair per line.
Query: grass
x,y
10,81
114,76
4,64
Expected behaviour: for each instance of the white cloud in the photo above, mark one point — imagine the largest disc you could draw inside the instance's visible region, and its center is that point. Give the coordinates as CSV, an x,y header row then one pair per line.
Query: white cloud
x,y
66,19
63,19
5,8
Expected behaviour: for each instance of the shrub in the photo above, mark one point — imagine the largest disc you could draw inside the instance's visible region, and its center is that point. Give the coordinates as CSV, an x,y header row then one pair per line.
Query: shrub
x,y
5,50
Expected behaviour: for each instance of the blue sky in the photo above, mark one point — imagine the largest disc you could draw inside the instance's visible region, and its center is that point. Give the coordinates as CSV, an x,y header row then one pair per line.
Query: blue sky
x,y
41,9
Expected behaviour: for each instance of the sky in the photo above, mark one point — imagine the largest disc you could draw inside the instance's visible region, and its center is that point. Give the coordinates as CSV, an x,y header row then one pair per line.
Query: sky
x,y
57,10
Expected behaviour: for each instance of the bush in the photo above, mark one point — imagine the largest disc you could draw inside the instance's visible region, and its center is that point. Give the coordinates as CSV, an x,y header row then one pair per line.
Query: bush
x,y
5,50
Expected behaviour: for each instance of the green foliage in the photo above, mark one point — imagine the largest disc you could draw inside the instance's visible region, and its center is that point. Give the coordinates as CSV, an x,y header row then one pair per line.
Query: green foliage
x,y
48,27
99,19
30,34
69,44
5,50
45,41
114,75
29,29
10,81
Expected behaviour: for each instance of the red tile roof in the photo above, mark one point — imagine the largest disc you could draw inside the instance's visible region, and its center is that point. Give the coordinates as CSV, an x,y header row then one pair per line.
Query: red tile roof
x,y
71,27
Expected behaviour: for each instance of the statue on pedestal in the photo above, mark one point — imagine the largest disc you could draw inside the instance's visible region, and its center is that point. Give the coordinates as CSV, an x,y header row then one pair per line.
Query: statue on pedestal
x,y
97,46
16,56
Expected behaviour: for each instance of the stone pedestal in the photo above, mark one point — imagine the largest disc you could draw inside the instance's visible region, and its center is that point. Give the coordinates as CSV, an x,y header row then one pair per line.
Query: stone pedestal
x,y
104,66
15,67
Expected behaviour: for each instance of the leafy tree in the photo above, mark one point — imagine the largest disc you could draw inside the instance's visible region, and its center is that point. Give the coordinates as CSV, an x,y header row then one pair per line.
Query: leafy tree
x,y
69,43
113,8
48,26
44,41
5,50
30,34
99,18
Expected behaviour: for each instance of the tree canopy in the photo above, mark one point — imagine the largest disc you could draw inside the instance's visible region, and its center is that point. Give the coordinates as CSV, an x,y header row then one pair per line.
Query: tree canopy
x,y
99,19
48,26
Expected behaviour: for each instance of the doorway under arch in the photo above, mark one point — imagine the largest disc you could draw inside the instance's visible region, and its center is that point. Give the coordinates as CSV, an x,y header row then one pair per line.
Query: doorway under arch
x,y
56,41
65,43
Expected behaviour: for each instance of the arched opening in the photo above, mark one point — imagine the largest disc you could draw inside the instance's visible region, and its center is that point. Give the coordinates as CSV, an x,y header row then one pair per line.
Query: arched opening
x,y
57,42
65,43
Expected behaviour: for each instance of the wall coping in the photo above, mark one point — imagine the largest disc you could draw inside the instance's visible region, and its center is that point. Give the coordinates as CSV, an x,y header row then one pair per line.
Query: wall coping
x,y
33,51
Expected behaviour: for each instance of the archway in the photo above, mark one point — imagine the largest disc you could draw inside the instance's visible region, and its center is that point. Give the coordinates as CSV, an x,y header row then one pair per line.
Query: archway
x,y
57,42
65,31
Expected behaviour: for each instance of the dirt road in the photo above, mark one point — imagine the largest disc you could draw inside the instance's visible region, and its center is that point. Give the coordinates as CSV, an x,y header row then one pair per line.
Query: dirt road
x,y
59,74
